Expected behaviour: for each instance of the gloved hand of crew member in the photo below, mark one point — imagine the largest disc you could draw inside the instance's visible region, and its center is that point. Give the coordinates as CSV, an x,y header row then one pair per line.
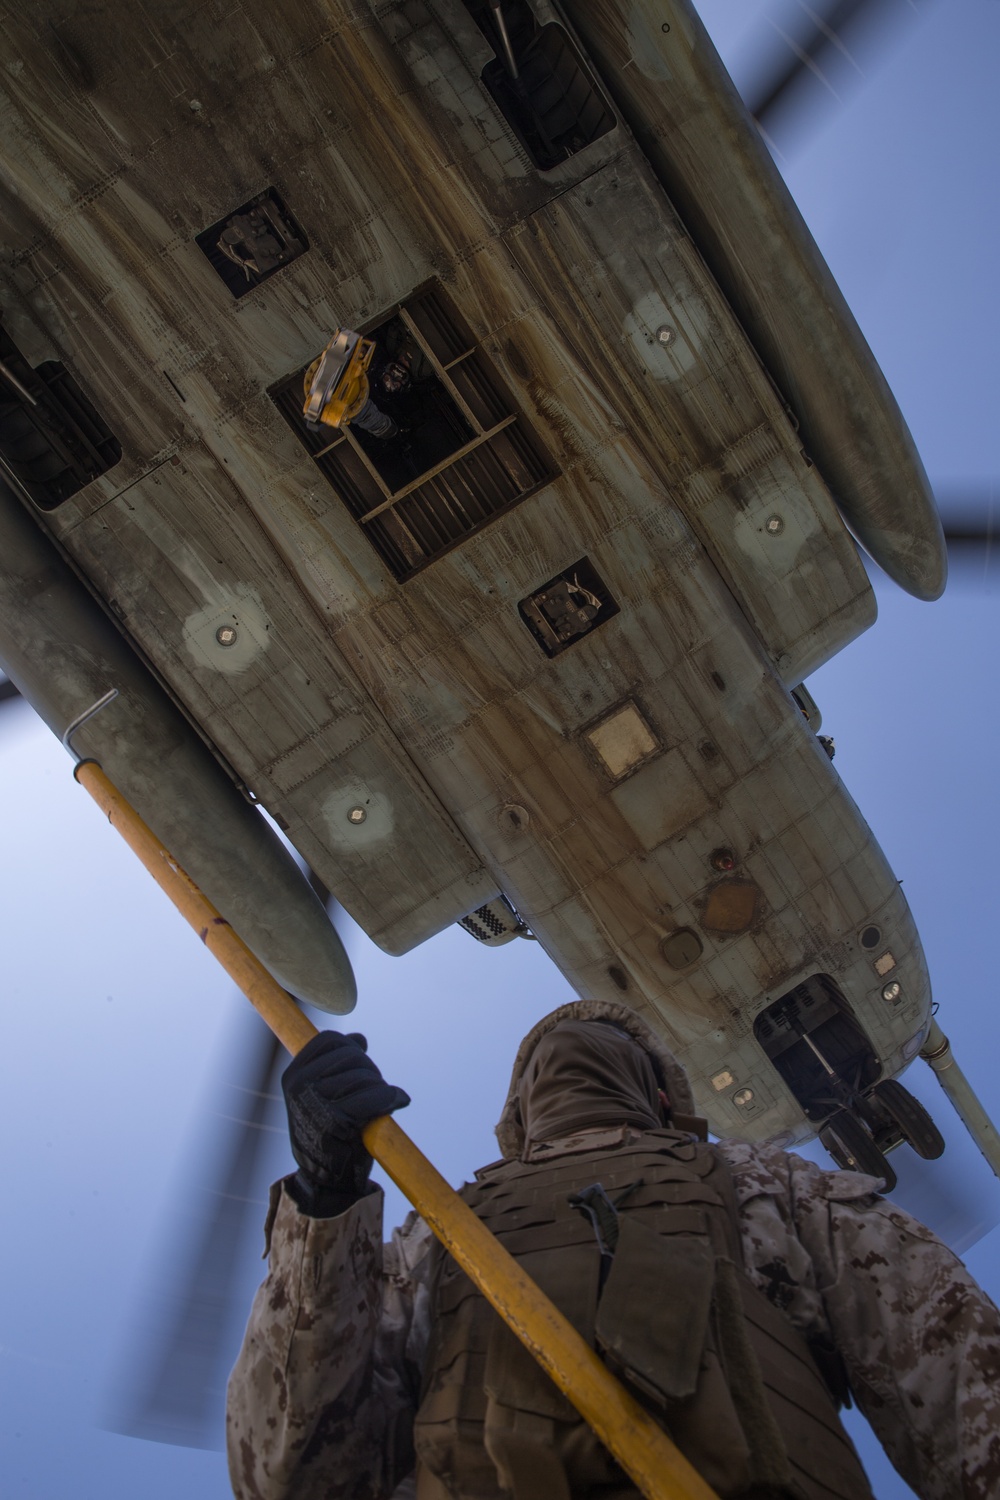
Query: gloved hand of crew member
x,y
332,1089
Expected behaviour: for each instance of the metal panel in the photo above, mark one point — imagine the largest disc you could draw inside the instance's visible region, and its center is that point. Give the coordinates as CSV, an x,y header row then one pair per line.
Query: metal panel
x,y
182,557
702,408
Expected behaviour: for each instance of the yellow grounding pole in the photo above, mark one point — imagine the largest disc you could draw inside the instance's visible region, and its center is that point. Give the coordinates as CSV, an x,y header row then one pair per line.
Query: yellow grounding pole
x,y
644,1451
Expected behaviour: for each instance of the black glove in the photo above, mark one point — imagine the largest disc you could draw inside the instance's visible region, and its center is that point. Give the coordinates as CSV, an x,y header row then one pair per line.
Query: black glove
x,y
332,1089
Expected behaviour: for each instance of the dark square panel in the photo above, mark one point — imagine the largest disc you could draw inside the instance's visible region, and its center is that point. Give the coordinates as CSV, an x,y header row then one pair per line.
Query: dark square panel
x,y
253,242
568,607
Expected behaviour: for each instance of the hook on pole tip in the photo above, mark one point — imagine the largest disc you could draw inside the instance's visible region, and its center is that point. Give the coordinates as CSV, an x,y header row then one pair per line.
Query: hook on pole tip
x,y
84,718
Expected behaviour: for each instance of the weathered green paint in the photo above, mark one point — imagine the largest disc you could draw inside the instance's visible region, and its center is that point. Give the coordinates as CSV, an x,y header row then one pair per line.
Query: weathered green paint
x,y
430,701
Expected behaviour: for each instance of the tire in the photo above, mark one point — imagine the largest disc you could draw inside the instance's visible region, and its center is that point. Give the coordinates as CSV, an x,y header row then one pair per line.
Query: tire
x,y
909,1114
853,1149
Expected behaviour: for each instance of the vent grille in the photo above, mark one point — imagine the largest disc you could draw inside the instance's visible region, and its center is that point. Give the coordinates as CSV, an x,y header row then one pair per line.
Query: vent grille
x,y
495,923
465,455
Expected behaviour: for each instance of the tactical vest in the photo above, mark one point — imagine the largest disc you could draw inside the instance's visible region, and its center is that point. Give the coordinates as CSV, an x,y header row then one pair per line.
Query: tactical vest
x,y
720,1368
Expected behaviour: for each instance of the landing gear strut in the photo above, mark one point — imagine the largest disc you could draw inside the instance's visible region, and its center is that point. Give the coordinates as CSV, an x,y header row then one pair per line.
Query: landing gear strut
x,y
853,1149
818,1047
858,1135
908,1116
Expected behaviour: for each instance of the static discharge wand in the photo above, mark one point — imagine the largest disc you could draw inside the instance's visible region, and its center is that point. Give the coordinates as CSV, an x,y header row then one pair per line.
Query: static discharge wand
x,y
644,1451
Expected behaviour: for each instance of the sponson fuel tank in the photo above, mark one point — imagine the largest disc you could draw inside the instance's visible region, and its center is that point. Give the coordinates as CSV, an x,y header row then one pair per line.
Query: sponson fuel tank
x,y
667,81
63,654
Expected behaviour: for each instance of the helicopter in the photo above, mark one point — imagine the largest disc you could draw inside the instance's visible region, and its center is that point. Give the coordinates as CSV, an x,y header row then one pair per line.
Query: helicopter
x,y
536,663
842,752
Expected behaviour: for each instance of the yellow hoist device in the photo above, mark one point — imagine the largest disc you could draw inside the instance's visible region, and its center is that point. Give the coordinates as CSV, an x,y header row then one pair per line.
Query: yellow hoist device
x,y
336,384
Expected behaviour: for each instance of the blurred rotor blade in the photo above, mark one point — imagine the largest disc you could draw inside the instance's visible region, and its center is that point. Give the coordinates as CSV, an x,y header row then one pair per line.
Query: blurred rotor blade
x,y
970,519
956,1205
176,1381
970,531
323,893
955,1196
7,690
174,1391
820,53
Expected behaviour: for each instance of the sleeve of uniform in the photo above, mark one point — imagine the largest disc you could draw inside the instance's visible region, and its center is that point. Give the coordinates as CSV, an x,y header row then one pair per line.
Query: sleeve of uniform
x,y
322,1396
920,1339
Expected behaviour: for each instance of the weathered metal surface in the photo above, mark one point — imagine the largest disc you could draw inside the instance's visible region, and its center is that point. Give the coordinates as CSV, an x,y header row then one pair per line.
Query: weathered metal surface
x,y
180,555
56,644
700,409
429,705
660,68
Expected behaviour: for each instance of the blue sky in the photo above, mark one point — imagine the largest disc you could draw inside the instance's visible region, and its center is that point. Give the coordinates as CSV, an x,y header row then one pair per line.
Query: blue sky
x,y
121,1038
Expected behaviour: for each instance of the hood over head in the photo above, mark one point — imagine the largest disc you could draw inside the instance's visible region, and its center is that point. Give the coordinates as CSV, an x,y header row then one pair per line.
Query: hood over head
x,y
570,1074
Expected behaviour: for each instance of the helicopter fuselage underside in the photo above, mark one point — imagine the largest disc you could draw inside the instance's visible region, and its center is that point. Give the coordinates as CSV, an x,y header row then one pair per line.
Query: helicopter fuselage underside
x,y
557,663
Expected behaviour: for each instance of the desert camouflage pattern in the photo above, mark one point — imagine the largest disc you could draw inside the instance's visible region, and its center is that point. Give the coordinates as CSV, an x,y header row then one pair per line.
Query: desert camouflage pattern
x,y
322,1398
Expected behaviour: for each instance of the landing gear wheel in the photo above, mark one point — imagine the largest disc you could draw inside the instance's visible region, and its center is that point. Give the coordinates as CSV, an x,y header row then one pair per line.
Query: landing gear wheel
x,y
853,1149
919,1130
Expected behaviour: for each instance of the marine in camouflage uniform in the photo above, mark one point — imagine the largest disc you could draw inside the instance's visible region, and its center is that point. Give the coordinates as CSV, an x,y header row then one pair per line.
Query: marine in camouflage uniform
x,y
343,1379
